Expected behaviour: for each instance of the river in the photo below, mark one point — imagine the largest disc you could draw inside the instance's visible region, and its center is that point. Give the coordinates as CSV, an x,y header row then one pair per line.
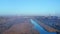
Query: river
x,y
39,28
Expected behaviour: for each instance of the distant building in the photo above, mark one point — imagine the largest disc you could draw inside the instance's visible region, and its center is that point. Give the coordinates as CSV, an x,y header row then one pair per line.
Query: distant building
x,y
52,17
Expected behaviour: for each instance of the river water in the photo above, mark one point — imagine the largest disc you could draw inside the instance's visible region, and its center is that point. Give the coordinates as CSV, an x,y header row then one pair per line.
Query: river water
x,y
39,28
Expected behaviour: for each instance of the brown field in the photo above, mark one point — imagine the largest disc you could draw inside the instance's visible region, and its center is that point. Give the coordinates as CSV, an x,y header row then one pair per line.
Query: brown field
x,y
22,26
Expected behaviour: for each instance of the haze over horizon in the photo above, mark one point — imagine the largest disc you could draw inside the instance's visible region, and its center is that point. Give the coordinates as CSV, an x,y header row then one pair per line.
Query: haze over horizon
x,y
30,7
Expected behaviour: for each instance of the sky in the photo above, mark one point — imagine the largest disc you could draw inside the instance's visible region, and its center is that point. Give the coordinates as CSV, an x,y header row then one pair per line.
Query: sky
x,y
30,7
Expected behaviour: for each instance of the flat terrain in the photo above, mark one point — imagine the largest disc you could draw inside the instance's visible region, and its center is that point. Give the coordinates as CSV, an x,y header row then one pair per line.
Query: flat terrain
x,y
23,25
49,24
16,25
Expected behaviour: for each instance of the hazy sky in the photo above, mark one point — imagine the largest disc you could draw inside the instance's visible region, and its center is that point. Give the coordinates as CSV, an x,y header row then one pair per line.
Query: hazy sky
x,y
29,7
